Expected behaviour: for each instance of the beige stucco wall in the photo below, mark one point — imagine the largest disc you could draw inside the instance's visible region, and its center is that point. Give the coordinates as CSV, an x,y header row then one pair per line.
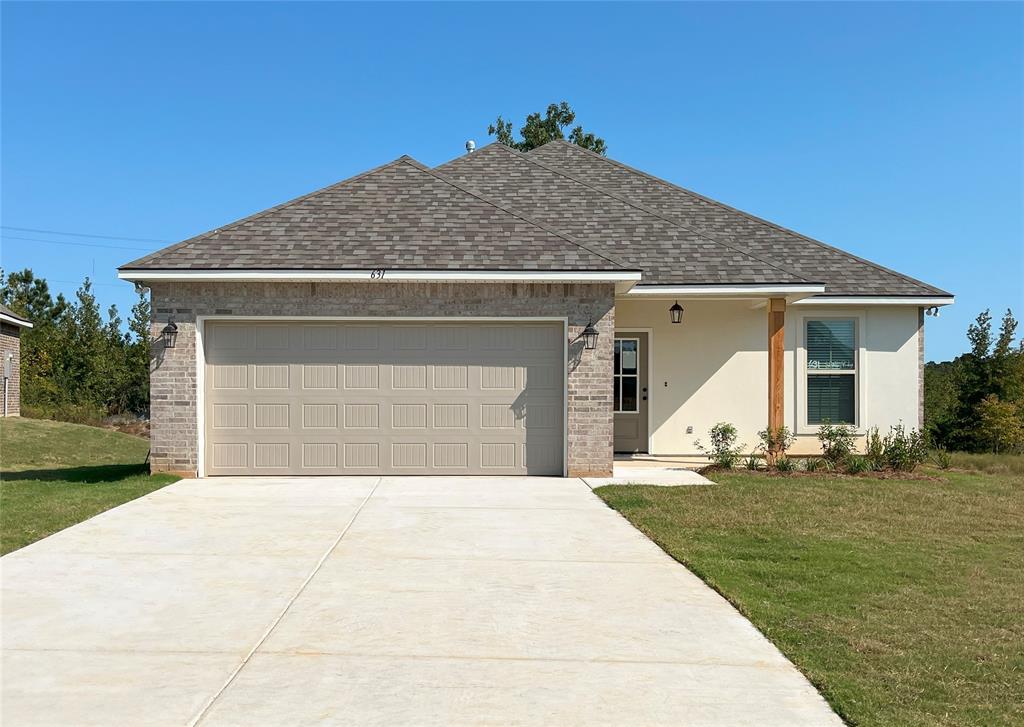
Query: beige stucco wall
x,y
714,367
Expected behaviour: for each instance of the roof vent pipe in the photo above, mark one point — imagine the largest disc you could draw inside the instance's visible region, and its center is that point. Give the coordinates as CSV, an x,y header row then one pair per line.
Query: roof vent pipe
x,y
470,146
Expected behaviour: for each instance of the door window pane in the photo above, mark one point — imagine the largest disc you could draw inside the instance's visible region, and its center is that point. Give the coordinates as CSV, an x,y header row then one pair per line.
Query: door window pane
x,y
629,357
830,398
629,399
616,400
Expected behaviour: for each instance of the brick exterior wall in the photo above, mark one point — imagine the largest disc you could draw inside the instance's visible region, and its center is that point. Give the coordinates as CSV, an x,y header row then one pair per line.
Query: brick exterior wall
x,y
10,342
173,398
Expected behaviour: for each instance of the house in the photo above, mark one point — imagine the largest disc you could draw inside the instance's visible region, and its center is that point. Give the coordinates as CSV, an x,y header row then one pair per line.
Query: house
x,y
510,313
10,354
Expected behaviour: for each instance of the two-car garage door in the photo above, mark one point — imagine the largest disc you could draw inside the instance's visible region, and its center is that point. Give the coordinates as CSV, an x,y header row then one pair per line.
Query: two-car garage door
x,y
303,397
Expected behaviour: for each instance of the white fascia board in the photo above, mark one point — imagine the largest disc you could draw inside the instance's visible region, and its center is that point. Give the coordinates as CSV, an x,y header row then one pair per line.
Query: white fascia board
x,y
455,276
723,291
14,321
932,302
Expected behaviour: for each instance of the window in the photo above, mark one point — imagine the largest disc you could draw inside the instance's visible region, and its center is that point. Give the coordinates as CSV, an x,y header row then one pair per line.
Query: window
x,y
626,379
831,371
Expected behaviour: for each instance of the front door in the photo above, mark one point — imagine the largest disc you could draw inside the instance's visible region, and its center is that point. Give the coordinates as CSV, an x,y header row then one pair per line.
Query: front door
x,y
630,390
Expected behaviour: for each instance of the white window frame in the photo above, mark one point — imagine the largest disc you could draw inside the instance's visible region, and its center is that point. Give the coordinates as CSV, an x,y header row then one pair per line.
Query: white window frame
x,y
859,371
617,405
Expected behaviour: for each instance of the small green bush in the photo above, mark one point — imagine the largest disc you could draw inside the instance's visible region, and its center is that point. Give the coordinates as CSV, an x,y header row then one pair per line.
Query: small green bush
x,y
774,443
836,443
942,458
903,450
724,452
814,464
875,450
75,413
752,462
785,464
857,464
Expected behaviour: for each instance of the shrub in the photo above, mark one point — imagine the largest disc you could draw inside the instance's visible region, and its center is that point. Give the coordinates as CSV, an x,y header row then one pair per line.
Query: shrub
x,y
942,458
813,464
875,450
1001,425
774,442
836,443
752,462
92,414
723,451
785,464
903,450
856,464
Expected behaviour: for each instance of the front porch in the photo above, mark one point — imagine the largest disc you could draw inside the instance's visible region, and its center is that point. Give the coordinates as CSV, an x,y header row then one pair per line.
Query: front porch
x,y
757,362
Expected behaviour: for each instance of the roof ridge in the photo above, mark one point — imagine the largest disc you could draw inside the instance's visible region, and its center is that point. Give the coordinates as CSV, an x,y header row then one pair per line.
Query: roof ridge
x,y
751,217
261,213
638,205
515,213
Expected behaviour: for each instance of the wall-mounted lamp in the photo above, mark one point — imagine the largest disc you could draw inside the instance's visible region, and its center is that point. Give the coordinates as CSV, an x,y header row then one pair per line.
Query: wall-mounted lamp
x,y
933,311
169,335
590,337
676,311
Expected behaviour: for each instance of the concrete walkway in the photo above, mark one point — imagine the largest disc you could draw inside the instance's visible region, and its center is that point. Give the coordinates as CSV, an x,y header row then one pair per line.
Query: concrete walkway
x,y
632,473
377,601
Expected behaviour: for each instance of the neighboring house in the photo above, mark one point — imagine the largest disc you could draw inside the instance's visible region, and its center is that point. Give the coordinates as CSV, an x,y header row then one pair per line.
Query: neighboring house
x,y
10,358
510,313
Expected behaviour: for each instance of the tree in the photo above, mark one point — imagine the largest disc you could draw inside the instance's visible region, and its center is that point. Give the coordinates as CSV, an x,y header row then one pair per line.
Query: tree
x,y
539,130
1000,424
985,383
75,365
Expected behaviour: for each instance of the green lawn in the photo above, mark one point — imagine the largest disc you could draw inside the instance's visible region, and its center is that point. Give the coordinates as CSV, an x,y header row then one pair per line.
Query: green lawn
x,y
901,600
54,474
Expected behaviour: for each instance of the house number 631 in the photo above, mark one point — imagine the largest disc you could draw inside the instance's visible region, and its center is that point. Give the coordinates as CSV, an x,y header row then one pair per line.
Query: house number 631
x,y
377,274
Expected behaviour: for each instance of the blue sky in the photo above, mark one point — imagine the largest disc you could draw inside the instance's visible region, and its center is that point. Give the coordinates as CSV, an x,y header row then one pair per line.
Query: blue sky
x,y
894,131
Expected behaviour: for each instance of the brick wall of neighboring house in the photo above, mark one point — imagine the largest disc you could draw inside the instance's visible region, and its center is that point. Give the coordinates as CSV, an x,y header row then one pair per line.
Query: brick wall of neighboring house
x,y
173,371
10,342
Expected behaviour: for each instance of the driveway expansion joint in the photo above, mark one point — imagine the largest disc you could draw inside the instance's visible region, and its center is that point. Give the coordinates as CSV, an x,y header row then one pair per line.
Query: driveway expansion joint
x,y
270,629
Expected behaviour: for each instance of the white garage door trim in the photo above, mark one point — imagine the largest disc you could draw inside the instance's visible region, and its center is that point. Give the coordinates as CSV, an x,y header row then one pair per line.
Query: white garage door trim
x,y
200,361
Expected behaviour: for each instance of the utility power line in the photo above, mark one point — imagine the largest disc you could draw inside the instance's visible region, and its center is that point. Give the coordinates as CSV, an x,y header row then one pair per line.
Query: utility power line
x,y
83,234
70,242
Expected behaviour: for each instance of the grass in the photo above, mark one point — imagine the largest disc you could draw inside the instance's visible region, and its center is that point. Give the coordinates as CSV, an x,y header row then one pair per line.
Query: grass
x,y
901,600
55,474
993,464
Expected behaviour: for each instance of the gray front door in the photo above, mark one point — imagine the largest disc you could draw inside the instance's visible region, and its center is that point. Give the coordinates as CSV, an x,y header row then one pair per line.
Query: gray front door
x,y
630,389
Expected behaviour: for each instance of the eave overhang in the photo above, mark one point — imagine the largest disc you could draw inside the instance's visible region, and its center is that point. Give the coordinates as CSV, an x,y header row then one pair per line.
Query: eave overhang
x,y
14,321
623,279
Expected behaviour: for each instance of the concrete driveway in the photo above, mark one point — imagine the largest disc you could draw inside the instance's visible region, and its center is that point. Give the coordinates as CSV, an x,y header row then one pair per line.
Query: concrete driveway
x,y
377,601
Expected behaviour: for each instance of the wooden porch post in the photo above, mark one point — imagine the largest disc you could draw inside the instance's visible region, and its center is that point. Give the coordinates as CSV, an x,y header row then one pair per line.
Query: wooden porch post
x,y
776,366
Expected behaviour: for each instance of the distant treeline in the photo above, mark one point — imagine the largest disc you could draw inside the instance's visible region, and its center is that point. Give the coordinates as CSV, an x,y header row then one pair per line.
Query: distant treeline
x,y
75,365
975,403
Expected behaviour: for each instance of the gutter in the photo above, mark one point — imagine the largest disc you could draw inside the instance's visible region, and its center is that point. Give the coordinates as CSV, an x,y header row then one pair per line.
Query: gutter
x,y
15,321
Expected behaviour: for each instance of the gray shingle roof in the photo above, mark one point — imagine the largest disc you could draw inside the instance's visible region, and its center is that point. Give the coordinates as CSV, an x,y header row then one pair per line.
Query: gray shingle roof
x,y
400,216
557,208
8,312
667,252
842,273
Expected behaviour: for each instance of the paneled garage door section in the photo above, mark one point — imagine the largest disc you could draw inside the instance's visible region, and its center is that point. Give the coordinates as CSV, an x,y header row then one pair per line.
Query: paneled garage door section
x,y
309,398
